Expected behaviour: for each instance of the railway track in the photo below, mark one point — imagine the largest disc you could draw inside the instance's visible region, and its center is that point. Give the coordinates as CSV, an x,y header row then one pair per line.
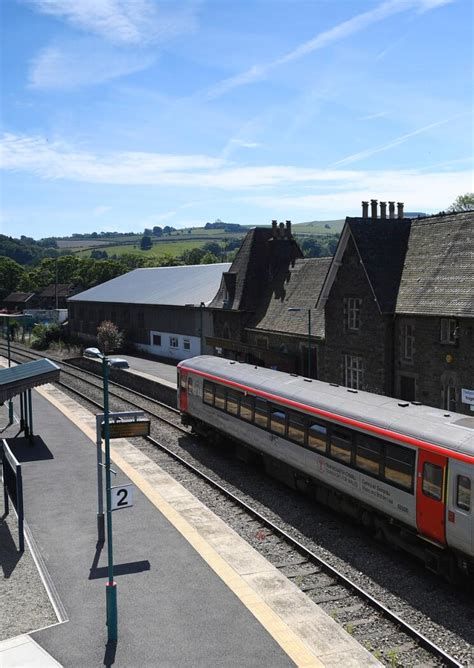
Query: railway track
x,y
391,638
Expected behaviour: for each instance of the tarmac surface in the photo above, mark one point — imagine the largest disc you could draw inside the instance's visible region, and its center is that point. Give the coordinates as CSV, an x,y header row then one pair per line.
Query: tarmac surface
x,y
173,611
158,370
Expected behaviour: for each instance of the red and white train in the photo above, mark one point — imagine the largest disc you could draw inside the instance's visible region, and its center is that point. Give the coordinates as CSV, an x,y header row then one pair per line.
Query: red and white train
x,y
405,469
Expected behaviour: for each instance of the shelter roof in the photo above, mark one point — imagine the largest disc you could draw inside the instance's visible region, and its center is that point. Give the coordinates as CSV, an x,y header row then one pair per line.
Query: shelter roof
x,y
167,286
297,288
63,290
23,377
19,297
438,275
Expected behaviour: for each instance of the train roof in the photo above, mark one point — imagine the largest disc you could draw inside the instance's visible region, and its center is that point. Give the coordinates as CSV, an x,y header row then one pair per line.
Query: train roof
x,y
454,431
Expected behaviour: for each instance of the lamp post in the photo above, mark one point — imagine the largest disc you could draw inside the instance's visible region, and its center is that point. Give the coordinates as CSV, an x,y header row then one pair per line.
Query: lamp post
x,y
293,310
111,586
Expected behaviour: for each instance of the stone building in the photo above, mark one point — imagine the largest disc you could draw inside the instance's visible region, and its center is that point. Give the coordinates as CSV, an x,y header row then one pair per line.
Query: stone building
x,y
264,312
399,307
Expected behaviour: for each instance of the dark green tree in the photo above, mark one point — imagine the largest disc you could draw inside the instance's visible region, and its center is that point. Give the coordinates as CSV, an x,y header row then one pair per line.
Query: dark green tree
x,y
146,243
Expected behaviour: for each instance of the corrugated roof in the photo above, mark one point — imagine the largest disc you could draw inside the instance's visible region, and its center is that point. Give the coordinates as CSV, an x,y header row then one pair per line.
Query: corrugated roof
x,y
438,275
19,297
297,287
167,286
23,377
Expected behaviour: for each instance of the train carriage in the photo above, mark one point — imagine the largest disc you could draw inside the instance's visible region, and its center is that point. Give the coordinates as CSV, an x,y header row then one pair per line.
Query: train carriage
x,y
401,467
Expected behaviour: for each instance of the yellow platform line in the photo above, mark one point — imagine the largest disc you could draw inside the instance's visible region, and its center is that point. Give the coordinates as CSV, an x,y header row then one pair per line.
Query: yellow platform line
x,y
290,643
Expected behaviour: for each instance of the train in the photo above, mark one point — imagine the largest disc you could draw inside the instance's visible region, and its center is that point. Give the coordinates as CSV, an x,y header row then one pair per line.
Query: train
x,y
399,468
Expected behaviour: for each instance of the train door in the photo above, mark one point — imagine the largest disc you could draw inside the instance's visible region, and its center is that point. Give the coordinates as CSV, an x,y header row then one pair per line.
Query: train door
x,y
460,528
431,496
183,395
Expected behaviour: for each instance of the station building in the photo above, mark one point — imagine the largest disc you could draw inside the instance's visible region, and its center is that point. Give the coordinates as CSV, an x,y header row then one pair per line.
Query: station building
x,y
161,310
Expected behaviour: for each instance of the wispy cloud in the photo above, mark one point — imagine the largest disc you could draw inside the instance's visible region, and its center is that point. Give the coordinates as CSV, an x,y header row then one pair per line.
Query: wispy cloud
x,y
121,21
367,153
66,66
100,210
323,40
371,117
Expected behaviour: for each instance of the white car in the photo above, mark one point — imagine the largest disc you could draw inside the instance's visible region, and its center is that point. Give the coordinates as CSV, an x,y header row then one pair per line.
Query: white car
x,y
118,363
94,353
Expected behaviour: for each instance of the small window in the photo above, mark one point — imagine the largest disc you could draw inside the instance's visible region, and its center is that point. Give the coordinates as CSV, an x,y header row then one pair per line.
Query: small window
x,y
208,393
174,343
341,445
432,481
232,405
463,492
277,421
399,465
368,454
353,313
317,436
246,408
186,344
448,331
156,339
219,397
408,341
353,371
261,412
296,427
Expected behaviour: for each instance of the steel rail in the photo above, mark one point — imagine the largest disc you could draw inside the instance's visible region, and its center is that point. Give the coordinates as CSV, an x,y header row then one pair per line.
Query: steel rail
x,y
410,631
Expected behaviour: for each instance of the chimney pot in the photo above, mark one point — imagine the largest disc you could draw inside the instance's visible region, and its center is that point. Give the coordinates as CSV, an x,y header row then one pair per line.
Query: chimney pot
x,y
365,209
391,210
288,229
400,209
274,229
373,204
383,210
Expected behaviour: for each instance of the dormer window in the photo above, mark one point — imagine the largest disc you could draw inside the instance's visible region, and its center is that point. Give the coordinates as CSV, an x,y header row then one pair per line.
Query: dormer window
x,y
353,313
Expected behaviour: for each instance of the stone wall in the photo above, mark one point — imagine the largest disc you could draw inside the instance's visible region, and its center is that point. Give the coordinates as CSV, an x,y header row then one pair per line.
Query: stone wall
x,y
150,388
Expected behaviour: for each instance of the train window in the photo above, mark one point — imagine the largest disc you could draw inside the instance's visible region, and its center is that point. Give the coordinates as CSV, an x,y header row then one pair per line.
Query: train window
x,y
232,402
182,382
296,427
463,492
433,481
208,394
341,444
219,397
399,465
368,454
261,412
317,436
246,407
277,421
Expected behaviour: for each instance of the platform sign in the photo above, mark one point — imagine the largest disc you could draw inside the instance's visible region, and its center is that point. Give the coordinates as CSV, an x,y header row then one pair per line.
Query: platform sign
x,y
128,428
467,396
122,496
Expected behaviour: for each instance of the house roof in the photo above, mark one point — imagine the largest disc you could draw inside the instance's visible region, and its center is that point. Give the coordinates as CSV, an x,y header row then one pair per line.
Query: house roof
x,y
381,246
167,286
258,260
438,276
296,288
19,297
63,290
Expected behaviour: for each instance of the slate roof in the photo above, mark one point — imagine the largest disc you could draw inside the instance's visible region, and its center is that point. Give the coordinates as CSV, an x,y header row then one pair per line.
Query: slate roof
x,y
254,266
438,276
19,297
167,286
298,287
382,246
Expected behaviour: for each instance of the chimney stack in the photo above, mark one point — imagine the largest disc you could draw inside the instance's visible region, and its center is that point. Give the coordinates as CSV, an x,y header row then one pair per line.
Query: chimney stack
x,y
400,209
274,229
391,210
288,229
383,210
373,204
281,230
365,209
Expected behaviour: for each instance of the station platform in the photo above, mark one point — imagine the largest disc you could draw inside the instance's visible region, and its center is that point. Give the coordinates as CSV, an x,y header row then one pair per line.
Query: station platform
x,y
190,591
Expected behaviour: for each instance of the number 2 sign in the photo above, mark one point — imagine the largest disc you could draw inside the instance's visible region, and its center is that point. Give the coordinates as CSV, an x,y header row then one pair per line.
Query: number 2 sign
x,y
122,496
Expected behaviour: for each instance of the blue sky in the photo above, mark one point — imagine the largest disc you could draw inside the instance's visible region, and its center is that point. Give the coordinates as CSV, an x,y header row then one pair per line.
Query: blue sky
x,y
124,114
